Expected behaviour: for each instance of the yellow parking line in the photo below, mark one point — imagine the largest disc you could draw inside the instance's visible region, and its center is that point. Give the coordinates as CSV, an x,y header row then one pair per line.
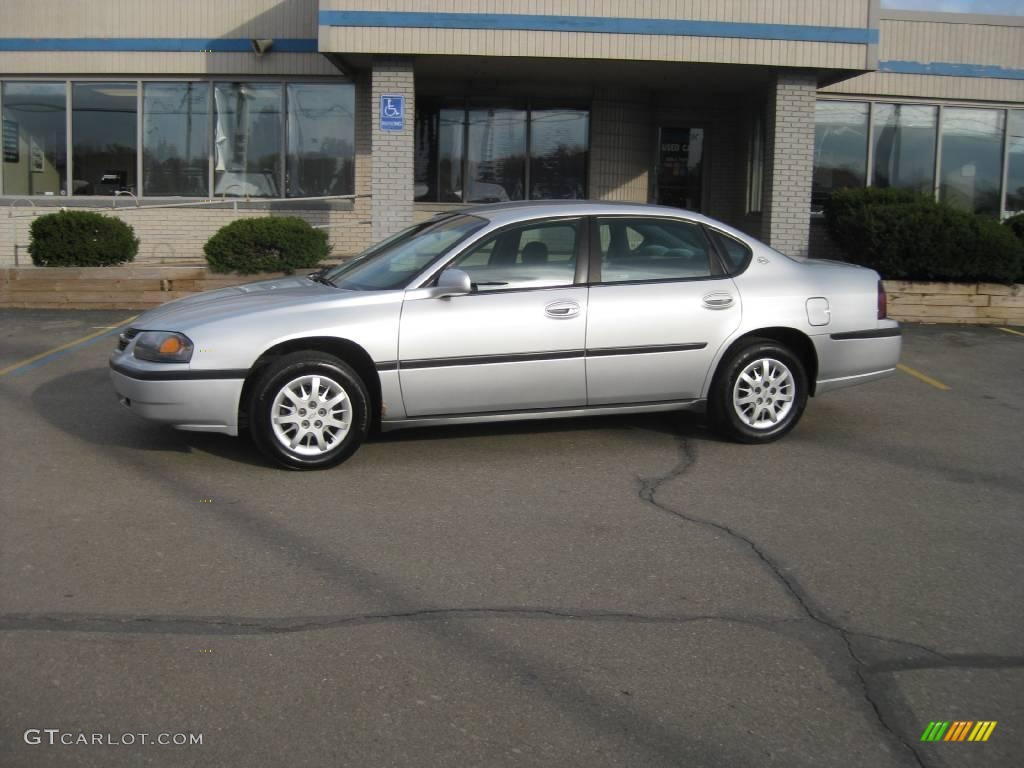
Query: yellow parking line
x,y
922,377
1010,330
61,348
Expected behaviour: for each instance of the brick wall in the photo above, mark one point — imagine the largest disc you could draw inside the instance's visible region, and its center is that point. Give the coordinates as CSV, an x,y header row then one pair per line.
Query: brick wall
x,y
393,154
177,235
790,154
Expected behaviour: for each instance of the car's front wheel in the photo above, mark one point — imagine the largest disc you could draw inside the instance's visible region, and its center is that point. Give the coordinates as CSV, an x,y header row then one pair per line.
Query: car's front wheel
x,y
309,410
760,392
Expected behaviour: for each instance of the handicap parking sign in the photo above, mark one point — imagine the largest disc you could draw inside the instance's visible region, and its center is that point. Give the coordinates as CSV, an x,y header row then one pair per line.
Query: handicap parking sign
x,y
392,112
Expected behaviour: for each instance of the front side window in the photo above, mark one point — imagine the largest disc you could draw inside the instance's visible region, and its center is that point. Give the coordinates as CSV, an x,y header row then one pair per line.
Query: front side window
x,y
34,139
645,249
104,118
840,148
533,256
393,263
247,139
175,130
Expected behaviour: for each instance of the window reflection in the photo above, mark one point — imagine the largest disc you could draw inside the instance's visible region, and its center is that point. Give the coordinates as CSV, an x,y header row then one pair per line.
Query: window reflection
x,y
321,140
840,147
104,135
247,139
1015,167
558,154
497,155
904,152
972,159
174,139
497,149
34,138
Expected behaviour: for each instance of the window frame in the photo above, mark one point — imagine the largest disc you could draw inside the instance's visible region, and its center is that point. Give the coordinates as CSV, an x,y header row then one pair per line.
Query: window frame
x,y
715,263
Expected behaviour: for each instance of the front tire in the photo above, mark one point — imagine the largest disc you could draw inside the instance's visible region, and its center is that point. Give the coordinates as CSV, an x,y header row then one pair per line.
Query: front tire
x,y
760,392
309,410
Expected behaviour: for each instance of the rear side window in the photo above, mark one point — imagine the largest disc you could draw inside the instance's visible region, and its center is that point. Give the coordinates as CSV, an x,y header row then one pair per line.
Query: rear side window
x,y
735,254
645,249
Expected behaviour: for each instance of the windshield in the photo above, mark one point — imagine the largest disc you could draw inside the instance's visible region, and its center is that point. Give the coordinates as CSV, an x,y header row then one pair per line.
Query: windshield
x,y
391,263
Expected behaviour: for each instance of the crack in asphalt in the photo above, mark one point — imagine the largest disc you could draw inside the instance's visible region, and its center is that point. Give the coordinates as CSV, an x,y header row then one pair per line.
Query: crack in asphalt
x,y
648,492
226,625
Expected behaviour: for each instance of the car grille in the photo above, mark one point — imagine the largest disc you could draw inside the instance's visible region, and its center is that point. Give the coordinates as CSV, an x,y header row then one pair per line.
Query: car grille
x,y
125,338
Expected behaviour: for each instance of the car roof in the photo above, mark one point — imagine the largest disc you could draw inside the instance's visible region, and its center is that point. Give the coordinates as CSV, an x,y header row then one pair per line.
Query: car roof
x,y
508,213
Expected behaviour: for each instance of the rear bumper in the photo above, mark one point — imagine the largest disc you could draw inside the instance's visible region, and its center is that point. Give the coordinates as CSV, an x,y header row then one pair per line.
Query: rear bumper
x,y
204,405
857,357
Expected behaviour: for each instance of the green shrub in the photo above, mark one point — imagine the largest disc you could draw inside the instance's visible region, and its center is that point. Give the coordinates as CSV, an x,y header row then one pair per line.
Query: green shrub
x,y
81,239
1016,225
907,236
269,244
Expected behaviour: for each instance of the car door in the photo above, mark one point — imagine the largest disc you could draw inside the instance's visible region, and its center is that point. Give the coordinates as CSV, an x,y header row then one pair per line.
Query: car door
x,y
516,342
660,307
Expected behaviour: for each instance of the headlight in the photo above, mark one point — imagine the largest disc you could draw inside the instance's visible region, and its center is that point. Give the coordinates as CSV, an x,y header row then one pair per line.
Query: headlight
x,y
163,347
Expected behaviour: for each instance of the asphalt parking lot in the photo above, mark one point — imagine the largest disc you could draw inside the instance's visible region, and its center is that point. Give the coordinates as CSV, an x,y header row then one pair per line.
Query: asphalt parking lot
x,y
627,591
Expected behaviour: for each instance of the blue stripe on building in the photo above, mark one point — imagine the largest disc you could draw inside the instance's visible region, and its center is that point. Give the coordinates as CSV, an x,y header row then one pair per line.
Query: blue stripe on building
x,y
950,69
150,44
600,24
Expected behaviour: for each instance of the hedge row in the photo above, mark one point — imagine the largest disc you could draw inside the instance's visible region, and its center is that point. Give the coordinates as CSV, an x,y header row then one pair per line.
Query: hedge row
x,y
906,236
266,244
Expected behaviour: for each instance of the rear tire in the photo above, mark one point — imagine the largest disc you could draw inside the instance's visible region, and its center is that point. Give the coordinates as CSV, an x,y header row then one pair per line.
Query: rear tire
x,y
759,393
309,410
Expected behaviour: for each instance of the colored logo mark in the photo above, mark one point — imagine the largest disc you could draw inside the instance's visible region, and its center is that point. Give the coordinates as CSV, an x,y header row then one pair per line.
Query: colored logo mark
x,y
959,730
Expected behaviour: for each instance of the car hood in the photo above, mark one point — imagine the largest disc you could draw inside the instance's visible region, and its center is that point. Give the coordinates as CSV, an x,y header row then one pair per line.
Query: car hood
x,y
241,301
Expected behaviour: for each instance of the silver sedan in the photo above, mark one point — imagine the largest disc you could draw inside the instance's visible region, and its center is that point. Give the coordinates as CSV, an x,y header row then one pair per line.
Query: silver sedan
x,y
513,311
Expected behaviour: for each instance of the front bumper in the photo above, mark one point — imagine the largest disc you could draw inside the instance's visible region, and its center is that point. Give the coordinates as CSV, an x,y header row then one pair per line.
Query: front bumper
x,y
200,404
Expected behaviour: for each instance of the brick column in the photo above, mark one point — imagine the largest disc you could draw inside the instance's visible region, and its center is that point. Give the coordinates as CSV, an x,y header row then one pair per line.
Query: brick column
x,y
789,162
392,182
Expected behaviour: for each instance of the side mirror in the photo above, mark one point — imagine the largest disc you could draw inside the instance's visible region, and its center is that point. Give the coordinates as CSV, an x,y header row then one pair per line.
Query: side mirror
x,y
452,282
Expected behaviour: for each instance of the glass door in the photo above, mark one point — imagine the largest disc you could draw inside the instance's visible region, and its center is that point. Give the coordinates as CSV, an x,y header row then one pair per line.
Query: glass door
x,y
679,172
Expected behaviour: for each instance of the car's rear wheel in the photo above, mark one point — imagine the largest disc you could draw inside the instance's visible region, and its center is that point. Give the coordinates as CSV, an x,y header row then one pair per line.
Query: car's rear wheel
x,y
760,392
309,410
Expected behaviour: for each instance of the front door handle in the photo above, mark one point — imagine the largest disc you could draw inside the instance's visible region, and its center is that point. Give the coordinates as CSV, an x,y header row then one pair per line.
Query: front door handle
x,y
562,309
717,300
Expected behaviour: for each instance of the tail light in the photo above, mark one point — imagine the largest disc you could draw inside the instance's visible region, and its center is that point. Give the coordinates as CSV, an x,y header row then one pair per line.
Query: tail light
x,y
883,302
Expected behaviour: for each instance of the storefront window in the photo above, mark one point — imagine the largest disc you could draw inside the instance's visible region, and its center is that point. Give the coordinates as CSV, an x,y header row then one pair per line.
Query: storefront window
x,y
247,141
904,147
104,124
558,154
175,134
505,153
972,159
34,139
840,148
321,140
497,155
1015,166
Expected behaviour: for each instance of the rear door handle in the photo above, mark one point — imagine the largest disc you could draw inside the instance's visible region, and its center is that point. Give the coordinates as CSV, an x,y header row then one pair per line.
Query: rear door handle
x,y
562,309
717,300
